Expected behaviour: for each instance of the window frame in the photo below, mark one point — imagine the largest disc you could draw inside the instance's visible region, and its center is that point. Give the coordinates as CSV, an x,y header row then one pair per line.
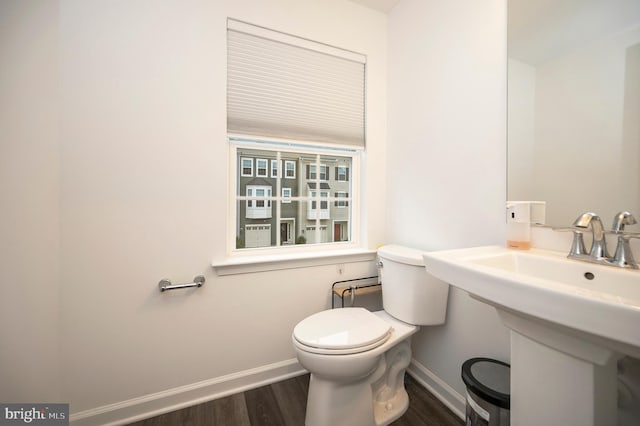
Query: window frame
x,y
324,171
286,170
238,142
266,167
263,206
242,173
346,173
286,199
322,197
341,201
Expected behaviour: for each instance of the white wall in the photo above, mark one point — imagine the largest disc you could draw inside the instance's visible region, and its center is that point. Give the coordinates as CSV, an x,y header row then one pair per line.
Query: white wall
x,y
447,156
127,167
29,189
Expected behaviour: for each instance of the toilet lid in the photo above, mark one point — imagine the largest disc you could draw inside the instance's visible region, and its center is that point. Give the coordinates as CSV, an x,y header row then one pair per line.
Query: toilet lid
x,y
342,330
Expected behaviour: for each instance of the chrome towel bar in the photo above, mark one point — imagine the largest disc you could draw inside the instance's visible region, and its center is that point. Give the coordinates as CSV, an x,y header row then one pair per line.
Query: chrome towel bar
x,y
165,284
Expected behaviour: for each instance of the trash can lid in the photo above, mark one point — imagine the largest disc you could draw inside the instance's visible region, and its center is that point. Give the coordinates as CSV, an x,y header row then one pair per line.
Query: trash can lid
x,y
489,379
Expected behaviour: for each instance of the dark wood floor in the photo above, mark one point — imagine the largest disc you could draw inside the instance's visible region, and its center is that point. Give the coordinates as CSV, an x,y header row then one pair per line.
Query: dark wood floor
x,y
283,404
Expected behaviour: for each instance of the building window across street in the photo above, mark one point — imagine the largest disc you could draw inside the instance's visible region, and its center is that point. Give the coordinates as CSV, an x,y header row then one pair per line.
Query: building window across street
x,y
302,209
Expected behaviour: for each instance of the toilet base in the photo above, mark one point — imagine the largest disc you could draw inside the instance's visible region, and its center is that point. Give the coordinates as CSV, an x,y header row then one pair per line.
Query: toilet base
x,y
375,400
389,411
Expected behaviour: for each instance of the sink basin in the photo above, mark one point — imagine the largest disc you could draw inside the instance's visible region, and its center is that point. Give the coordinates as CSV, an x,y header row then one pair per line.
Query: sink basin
x,y
593,302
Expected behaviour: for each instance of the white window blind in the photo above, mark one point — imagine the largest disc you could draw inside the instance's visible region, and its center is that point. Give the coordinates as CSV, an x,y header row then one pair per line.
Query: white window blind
x,y
285,87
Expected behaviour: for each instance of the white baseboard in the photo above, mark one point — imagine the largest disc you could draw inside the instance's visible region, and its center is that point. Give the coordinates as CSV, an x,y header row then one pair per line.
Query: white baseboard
x,y
438,387
184,396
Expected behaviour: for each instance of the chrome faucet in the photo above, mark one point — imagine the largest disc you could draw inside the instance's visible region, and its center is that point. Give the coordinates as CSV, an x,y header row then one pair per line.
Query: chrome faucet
x,y
622,219
599,245
623,256
598,253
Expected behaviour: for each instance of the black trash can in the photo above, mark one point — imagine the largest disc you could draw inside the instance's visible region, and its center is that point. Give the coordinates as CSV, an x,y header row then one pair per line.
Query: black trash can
x,y
488,398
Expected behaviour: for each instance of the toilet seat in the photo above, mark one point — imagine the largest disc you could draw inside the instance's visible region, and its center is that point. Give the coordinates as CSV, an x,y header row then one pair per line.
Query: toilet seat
x,y
341,331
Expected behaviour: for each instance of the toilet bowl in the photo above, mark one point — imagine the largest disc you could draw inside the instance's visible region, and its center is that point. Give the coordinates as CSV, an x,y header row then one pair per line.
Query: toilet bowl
x,y
357,359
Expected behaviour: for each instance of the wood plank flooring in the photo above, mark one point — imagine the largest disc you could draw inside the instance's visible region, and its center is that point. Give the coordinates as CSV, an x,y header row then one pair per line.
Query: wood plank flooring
x,y
283,404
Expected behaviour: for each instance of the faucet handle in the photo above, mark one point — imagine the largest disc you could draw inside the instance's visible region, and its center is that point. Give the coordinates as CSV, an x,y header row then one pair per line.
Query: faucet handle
x,y
621,219
578,248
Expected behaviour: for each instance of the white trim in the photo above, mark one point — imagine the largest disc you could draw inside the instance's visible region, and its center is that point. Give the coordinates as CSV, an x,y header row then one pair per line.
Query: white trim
x,y
289,260
289,145
152,405
438,387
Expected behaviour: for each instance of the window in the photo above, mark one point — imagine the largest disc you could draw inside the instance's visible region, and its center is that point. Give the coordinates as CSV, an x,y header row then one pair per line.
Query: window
x,y
290,169
261,167
312,209
342,173
305,205
341,199
286,195
258,202
311,172
247,167
281,115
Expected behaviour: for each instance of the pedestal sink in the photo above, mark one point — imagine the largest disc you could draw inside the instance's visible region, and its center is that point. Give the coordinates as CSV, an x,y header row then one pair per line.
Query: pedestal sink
x,y
570,322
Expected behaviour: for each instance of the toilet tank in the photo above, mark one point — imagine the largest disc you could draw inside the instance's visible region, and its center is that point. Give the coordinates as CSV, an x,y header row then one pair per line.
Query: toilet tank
x,y
409,292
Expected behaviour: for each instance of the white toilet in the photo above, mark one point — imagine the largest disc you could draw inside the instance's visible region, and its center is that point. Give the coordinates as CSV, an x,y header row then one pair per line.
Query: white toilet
x,y
357,358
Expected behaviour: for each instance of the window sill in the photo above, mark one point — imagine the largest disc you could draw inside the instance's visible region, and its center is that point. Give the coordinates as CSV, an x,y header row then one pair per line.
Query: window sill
x,y
249,264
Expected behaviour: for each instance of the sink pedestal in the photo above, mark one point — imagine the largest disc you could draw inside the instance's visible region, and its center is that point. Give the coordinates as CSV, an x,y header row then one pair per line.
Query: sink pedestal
x,y
559,379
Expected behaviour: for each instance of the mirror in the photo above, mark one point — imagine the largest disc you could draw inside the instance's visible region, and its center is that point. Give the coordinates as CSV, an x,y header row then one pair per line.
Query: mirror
x,y
574,106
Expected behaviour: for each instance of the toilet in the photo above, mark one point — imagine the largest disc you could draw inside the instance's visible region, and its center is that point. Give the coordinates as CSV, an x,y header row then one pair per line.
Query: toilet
x,y
357,358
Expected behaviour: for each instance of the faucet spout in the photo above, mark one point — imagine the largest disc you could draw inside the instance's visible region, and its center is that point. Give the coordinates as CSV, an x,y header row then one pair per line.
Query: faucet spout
x,y
622,219
599,244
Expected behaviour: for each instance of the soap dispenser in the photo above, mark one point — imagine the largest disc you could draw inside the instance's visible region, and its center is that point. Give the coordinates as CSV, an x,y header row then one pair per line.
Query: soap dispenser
x,y
519,225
